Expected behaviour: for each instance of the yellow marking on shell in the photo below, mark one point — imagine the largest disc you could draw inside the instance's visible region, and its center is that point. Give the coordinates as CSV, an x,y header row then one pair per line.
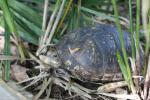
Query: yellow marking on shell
x,y
74,50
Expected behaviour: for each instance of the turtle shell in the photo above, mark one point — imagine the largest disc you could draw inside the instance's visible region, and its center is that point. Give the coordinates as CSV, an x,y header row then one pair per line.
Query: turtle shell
x,y
90,52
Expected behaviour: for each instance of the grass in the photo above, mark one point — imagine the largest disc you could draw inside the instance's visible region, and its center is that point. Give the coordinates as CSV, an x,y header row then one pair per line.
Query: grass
x,y
131,29
124,65
68,15
137,24
9,23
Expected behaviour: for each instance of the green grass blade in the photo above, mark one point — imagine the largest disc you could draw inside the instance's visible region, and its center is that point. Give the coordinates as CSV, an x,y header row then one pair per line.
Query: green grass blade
x,y
26,12
66,10
99,14
122,67
131,29
7,52
146,25
31,26
9,27
148,39
7,15
120,33
130,82
137,23
9,20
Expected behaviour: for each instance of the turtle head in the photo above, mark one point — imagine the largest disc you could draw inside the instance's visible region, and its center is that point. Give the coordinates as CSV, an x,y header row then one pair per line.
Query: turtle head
x,y
50,58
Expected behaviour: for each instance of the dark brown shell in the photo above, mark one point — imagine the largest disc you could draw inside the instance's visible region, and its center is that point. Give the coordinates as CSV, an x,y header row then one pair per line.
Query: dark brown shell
x,y
90,53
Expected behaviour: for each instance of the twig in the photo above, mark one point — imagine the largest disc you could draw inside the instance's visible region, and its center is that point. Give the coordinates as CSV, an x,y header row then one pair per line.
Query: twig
x,y
103,97
121,96
5,57
49,90
71,97
111,86
33,78
77,90
33,82
43,88
37,60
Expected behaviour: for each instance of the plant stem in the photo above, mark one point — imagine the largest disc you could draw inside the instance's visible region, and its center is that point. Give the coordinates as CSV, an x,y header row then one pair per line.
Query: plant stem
x,y
45,15
56,22
137,24
131,29
122,45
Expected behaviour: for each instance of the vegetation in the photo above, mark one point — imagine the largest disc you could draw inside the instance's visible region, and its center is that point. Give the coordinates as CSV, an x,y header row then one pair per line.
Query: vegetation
x,y
42,23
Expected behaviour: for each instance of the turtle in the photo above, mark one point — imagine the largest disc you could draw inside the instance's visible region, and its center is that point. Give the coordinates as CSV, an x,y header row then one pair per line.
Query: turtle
x,y
89,53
